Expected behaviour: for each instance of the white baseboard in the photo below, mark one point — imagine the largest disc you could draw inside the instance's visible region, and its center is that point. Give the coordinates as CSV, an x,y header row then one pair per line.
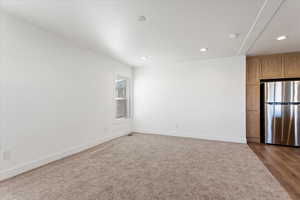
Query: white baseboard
x,y
196,136
6,174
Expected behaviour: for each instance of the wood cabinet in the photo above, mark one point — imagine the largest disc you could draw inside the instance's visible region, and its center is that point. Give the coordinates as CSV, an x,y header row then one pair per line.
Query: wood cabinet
x,y
271,67
253,124
253,140
291,63
265,67
253,76
253,71
253,97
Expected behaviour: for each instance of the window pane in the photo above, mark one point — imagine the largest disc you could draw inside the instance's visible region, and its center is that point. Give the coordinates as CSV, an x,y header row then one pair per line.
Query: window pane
x,y
121,108
122,97
121,86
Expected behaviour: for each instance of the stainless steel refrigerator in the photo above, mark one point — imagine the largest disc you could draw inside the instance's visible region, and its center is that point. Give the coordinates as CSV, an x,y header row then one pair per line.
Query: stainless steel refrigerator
x,y
282,113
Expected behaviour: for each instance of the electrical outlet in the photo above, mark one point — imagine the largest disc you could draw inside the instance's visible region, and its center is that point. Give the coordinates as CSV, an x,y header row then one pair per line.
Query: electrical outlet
x,y
6,155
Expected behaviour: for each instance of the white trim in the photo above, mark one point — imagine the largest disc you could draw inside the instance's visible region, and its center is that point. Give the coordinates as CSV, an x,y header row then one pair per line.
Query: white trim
x,y
5,174
128,95
190,135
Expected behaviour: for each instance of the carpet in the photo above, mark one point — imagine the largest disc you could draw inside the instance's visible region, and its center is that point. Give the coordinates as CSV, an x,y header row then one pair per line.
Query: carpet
x,y
150,167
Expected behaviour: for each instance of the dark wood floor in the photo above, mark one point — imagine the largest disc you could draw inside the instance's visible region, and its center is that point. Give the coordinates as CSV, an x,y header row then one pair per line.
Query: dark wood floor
x,y
283,163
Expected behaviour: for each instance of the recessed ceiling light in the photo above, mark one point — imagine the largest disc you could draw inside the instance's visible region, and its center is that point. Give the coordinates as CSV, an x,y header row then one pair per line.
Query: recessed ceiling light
x,y
144,58
282,37
234,35
142,18
203,49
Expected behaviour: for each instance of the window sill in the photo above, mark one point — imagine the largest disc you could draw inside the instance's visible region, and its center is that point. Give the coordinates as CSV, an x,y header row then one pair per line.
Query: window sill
x,y
121,120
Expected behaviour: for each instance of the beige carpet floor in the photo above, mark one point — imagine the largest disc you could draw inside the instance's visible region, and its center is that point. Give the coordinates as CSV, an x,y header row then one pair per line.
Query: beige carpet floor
x,y
144,167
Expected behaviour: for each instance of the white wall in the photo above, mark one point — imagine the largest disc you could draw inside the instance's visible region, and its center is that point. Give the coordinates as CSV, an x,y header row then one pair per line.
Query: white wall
x,y
199,99
56,98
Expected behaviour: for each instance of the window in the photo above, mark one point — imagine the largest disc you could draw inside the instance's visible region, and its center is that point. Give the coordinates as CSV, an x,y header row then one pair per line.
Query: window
x,y
122,98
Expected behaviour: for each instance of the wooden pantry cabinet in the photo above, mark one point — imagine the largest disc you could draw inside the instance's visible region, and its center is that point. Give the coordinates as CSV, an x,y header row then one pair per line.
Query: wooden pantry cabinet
x,y
271,67
292,65
275,66
253,71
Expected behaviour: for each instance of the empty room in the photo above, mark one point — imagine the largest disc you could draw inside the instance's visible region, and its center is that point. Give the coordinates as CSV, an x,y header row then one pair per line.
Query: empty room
x,y
149,100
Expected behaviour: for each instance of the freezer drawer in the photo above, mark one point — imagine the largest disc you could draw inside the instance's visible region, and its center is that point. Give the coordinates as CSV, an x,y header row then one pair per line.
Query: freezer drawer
x,y
282,123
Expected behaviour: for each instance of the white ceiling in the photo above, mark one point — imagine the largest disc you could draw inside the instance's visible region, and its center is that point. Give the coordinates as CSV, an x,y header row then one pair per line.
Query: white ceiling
x,y
174,31
285,22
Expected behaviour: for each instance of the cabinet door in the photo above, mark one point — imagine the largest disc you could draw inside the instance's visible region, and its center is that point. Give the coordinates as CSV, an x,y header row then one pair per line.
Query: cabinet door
x,y
253,97
271,67
253,124
291,63
253,71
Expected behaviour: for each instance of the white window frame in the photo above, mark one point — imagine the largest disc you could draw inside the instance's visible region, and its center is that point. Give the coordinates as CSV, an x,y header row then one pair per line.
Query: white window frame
x,y
128,97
